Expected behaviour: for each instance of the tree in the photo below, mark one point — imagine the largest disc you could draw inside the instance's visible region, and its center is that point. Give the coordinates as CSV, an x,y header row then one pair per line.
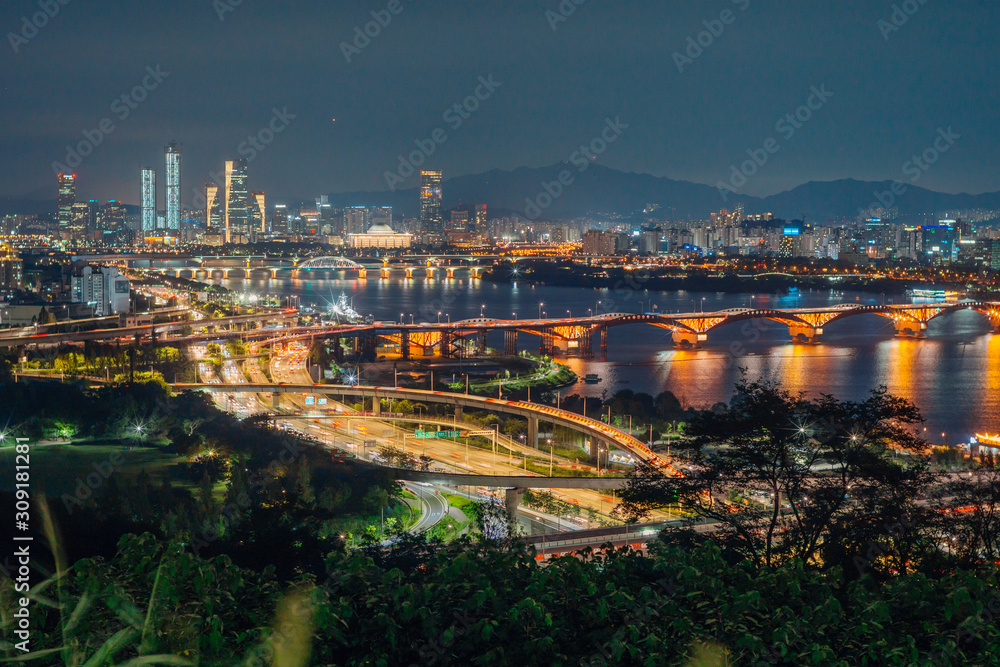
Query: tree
x,y
768,444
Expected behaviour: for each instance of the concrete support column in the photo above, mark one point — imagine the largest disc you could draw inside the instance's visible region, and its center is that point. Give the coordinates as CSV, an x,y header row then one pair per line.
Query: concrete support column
x,y
458,413
376,405
404,343
594,447
690,339
804,334
910,328
275,400
510,342
512,500
533,432
604,341
481,343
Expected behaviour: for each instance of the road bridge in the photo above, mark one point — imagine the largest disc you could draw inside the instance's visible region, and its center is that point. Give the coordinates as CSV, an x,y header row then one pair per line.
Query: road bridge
x,y
691,330
597,432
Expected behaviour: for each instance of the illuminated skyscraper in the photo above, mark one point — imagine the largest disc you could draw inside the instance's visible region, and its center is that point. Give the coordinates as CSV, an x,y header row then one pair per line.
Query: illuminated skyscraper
x,y
67,197
479,221
258,213
279,219
236,209
147,212
430,202
173,186
213,208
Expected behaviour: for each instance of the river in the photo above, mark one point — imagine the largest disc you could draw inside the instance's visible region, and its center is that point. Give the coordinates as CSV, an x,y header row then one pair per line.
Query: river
x,y
953,375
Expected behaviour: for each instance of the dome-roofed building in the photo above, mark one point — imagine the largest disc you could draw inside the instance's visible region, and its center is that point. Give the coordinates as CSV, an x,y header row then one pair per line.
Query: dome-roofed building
x,y
380,236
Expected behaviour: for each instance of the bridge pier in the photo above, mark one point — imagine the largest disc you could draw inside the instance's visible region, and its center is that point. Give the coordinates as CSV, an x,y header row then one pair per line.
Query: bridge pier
x,y
338,350
689,339
385,273
475,272
458,413
481,343
584,345
363,273
594,448
404,343
512,500
604,342
804,334
376,406
533,432
547,346
910,329
510,342
409,272
451,272
275,400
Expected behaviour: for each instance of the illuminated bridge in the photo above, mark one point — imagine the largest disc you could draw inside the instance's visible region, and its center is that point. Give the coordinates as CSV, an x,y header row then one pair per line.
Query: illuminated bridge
x,y
691,330
260,267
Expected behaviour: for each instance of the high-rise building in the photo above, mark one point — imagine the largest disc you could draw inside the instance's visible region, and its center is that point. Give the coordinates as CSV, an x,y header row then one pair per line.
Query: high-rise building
x,y
430,202
213,208
382,215
67,197
357,219
259,213
147,212
279,219
111,217
236,208
11,269
479,221
459,221
173,186
105,290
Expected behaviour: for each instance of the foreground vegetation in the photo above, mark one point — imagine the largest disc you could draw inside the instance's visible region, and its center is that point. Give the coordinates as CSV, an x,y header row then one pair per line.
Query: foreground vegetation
x,y
241,555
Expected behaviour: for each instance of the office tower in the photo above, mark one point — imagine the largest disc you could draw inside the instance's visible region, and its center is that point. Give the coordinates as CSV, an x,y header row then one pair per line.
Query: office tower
x,y
112,216
173,186
259,215
67,197
382,215
235,210
11,269
147,213
357,219
214,220
279,219
430,202
459,221
479,220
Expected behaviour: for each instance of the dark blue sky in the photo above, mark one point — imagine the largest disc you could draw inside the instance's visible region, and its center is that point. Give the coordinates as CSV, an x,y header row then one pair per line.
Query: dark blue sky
x,y
557,88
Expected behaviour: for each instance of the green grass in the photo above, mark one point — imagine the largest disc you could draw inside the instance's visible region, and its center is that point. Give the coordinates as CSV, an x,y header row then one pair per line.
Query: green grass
x,y
459,502
60,467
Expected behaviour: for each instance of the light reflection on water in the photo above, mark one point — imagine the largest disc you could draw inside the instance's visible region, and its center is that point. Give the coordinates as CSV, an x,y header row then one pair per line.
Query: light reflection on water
x,y
953,375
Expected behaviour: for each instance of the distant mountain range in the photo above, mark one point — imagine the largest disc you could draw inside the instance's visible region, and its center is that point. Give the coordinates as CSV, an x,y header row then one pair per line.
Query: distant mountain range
x,y
602,190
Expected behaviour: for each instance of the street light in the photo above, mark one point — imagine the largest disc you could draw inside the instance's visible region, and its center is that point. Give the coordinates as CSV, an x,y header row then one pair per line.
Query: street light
x,y
482,308
439,317
540,304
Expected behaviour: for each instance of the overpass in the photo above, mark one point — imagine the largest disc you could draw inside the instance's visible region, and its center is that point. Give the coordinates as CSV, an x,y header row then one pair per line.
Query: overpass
x,y
597,432
142,330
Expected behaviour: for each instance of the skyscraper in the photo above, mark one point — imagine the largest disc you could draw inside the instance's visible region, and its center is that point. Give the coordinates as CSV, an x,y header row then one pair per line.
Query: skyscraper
x,y
147,211
67,197
279,219
236,208
430,202
258,210
213,208
173,186
479,222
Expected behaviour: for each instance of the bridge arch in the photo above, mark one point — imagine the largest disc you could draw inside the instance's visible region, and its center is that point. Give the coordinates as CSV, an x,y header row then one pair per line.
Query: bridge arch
x,y
329,263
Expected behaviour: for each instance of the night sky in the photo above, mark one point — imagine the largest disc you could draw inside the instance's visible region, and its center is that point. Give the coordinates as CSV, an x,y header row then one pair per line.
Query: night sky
x,y
891,90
